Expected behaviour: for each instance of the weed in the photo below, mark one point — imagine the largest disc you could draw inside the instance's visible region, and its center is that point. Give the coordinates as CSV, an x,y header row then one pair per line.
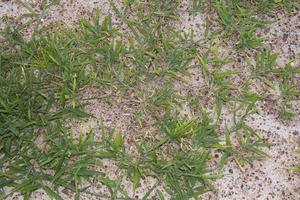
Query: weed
x,y
239,17
265,70
288,89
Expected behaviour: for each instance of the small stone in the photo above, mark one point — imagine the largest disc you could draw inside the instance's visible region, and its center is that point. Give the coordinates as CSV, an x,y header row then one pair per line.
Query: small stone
x,y
296,133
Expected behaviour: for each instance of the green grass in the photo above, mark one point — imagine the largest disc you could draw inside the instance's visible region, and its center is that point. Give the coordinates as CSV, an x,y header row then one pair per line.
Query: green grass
x,y
265,70
44,80
241,18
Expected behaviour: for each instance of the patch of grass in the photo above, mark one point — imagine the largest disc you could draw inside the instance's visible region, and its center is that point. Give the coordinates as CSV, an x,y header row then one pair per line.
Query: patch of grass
x,y
61,161
44,77
247,142
41,82
219,84
197,6
265,64
159,49
266,69
165,98
240,18
289,89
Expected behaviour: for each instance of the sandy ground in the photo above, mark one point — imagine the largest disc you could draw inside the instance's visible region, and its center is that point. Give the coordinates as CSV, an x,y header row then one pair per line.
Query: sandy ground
x,y
267,179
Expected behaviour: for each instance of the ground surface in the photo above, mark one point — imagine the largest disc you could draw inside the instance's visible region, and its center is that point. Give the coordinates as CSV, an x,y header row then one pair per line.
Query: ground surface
x,y
266,179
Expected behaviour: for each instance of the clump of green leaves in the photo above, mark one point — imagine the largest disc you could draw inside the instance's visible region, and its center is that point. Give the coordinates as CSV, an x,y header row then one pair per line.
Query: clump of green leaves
x,y
41,83
247,142
60,161
289,89
265,70
239,17
219,84
265,64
